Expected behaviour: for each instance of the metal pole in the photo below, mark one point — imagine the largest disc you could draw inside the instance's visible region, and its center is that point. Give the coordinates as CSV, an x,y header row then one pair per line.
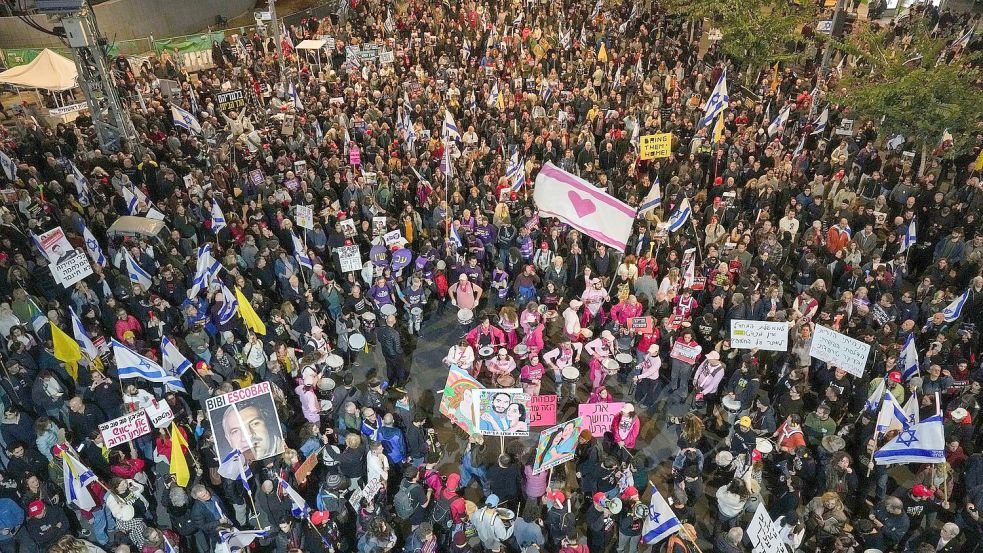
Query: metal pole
x,y
828,54
275,23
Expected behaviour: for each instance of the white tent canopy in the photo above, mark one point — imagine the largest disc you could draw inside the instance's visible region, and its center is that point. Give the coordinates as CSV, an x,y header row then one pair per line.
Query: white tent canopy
x,y
311,45
49,71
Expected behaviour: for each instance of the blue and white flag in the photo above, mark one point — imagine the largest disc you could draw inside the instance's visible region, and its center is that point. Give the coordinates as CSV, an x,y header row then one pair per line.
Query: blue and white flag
x,y
653,199
136,273
171,358
891,414
235,467
450,130
493,95
821,123
130,364
77,478
661,522
218,218
168,548
235,540
299,507
456,237
718,101
292,92
780,121
85,343
92,246
679,217
908,360
81,184
875,397
516,171
229,307
133,197
910,237
185,119
300,252
921,443
446,164
206,270
798,149
8,165
955,309
410,132
545,92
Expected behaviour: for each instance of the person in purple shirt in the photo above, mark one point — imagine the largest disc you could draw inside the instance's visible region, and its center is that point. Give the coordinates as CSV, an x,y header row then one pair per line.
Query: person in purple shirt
x,y
382,293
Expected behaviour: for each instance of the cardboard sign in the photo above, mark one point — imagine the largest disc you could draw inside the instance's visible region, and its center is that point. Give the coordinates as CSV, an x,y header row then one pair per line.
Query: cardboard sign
x,y
839,350
350,258
393,237
653,146
502,412
642,325
256,176
387,57
379,225
845,128
543,410
458,399
231,100
766,335
348,228
355,156
684,353
68,265
764,533
556,445
305,217
597,417
246,420
124,429
160,414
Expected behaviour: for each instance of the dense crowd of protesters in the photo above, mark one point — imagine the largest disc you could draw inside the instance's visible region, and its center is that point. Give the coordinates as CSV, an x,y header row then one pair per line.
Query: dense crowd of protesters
x,y
790,226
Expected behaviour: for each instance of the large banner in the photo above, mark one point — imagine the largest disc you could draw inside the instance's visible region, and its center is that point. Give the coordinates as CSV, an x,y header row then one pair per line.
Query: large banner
x,y
597,417
839,350
766,335
458,401
246,420
503,412
556,445
124,429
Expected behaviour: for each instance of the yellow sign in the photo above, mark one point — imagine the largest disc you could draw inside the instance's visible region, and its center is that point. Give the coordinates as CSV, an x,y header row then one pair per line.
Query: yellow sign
x,y
656,145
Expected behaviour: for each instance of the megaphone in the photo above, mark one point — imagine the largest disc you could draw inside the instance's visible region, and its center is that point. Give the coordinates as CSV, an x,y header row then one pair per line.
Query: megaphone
x,y
613,505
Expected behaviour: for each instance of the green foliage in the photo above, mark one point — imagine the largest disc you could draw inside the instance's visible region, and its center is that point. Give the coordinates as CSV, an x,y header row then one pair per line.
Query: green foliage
x,y
913,96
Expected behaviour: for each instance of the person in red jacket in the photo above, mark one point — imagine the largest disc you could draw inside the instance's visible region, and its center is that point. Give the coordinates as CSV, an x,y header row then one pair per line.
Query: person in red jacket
x,y
625,427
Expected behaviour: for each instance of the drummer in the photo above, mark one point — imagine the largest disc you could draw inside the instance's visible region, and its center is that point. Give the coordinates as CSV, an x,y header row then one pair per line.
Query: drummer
x,y
594,297
414,295
647,378
532,374
382,294
501,365
564,355
464,294
318,344
571,320
461,355
485,335
600,349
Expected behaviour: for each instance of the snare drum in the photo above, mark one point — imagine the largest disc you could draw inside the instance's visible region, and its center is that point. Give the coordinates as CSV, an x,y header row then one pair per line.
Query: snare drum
x,y
335,362
368,319
610,366
505,381
521,350
356,341
326,384
387,310
731,405
764,447
486,352
465,316
625,360
325,405
570,374
586,334
417,312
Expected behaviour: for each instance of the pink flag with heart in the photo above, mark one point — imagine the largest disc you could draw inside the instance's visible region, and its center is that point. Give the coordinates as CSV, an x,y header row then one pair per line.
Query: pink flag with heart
x,y
583,206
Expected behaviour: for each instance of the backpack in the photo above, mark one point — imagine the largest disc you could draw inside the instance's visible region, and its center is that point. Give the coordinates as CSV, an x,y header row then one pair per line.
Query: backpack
x,y
403,502
441,513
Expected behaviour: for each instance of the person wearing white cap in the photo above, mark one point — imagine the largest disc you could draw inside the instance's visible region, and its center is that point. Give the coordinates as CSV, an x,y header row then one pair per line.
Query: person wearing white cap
x,y
681,365
647,379
500,365
571,319
600,349
707,379
594,297
563,356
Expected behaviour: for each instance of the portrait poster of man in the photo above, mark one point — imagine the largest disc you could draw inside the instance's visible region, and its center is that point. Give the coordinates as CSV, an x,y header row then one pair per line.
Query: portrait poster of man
x,y
503,412
246,420
557,445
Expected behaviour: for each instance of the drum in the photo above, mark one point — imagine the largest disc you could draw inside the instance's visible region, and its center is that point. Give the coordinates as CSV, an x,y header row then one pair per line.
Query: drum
x,y
486,352
731,405
325,405
625,360
326,384
387,310
610,366
465,316
764,447
570,374
356,341
335,362
505,381
368,319
551,315
416,312
586,333
521,350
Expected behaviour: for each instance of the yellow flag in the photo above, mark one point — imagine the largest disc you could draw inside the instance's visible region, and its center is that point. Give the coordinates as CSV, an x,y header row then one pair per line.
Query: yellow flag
x,y
602,53
501,101
179,463
774,78
67,350
248,314
718,129
979,162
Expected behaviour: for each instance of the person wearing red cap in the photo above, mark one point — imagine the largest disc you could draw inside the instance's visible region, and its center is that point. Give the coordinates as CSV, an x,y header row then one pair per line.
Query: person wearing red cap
x,y
629,525
320,533
46,524
599,523
558,521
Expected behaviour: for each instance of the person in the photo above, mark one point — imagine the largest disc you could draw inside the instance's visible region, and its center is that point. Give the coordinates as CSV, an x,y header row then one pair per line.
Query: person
x,y
392,351
629,525
624,428
490,524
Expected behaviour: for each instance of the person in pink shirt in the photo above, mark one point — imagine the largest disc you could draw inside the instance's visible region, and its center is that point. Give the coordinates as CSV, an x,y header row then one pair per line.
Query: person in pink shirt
x,y
309,403
564,355
600,349
707,378
647,378
626,310
601,395
594,297
625,427
500,365
532,374
464,294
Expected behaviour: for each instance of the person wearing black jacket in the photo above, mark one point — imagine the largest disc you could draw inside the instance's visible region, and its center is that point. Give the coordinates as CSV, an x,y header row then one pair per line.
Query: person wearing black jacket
x,y
588,456
351,461
45,524
392,351
416,439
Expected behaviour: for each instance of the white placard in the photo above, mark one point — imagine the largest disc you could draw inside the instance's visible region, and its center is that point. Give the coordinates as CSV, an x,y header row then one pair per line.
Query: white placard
x,y
159,413
124,429
393,237
684,353
845,128
766,335
350,259
764,533
387,57
839,350
68,265
305,217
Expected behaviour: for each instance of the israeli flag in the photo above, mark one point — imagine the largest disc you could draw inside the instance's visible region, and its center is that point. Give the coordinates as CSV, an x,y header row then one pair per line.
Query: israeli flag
x,y
9,167
875,397
300,253
172,359
661,522
493,96
516,171
92,246
389,24
81,184
679,217
822,122
137,274
407,106
779,121
450,131
168,548
456,237
910,237
798,149
922,443
218,218
206,270
891,414
909,358
955,309
235,467
85,343
131,200
545,92
130,364
410,133
185,119
446,165
299,507
236,540
77,479
652,200
718,101
292,92
229,307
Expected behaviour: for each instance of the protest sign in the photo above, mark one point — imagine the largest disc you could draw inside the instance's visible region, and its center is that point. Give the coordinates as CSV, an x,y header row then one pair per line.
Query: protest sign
x,y
684,353
355,156
231,100
542,410
349,258
256,177
653,146
393,237
839,350
642,325
305,217
348,228
458,401
246,420
503,412
597,417
159,413
124,429
68,265
766,335
378,225
764,533
387,57
556,445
